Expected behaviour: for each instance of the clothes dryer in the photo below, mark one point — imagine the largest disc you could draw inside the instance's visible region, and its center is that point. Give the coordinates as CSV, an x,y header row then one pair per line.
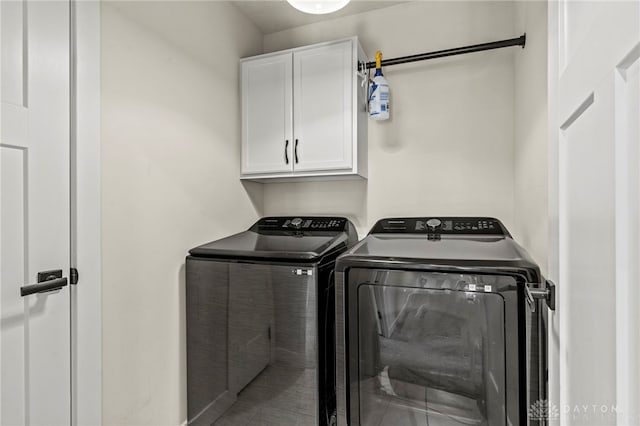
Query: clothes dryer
x,y
441,321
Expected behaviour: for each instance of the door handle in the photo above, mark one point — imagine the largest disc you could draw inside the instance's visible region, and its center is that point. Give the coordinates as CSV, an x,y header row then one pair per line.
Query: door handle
x,y
47,281
295,151
548,294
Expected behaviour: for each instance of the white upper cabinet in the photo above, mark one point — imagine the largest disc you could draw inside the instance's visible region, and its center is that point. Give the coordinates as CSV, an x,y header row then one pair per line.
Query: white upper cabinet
x,y
266,115
323,105
304,113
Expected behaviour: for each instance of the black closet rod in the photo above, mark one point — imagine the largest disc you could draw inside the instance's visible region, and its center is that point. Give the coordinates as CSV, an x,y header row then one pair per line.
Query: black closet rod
x,y
519,41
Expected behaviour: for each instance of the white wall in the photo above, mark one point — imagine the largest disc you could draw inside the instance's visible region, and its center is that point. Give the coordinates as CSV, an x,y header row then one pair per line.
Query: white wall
x,y
449,147
530,172
170,167
171,148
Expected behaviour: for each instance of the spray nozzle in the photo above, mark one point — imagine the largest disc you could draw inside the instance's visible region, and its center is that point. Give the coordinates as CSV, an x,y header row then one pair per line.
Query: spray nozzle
x,y
378,63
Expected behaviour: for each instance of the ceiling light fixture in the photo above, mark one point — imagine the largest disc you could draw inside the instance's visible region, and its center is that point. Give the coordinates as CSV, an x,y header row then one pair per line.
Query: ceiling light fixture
x,y
318,7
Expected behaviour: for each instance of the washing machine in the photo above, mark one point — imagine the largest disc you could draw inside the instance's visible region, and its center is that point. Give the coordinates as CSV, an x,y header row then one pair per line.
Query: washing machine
x,y
441,321
260,323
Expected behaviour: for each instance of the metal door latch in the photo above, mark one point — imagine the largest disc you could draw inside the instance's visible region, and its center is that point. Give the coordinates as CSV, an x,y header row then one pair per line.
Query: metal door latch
x,y
548,293
74,276
48,281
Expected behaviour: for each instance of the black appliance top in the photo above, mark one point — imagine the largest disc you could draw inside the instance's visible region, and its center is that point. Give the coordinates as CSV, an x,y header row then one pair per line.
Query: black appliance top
x,y
298,238
439,243
441,226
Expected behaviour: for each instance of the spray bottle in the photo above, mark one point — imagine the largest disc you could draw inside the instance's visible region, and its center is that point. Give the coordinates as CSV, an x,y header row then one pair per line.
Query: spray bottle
x,y
379,93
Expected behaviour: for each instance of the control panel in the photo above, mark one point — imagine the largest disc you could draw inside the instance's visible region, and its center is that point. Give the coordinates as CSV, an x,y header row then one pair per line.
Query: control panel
x,y
307,224
441,225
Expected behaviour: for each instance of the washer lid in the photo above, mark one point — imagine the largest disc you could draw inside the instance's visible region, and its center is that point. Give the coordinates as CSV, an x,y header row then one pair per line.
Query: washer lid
x,y
303,239
412,243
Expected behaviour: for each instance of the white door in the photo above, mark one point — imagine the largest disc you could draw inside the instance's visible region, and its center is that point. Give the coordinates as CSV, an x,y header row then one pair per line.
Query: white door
x,y
267,144
34,209
595,210
323,111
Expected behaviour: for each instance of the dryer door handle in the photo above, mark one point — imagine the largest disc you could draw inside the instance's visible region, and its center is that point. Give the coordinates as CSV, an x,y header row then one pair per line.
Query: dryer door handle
x,y
548,293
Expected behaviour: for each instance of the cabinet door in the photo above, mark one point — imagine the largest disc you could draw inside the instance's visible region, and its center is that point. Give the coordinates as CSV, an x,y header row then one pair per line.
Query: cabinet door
x,y
323,115
267,145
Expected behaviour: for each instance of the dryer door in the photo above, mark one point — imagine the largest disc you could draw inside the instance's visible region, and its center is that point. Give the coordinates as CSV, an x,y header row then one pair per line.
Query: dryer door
x,y
430,349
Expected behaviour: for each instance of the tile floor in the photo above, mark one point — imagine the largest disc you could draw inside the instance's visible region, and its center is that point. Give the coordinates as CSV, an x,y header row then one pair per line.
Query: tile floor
x,y
279,396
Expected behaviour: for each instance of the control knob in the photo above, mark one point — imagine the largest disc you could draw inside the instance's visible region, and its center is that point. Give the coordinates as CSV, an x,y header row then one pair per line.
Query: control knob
x,y
296,223
433,224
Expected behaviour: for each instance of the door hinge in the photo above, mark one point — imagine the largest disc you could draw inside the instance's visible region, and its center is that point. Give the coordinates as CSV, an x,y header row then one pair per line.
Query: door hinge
x,y
74,276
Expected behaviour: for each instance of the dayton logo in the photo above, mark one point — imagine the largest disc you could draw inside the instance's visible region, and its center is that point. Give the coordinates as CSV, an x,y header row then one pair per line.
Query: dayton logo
x,y
543,410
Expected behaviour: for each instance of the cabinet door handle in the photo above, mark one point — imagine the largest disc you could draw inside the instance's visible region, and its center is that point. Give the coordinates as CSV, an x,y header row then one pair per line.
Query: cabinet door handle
x,y
286,151
295,151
